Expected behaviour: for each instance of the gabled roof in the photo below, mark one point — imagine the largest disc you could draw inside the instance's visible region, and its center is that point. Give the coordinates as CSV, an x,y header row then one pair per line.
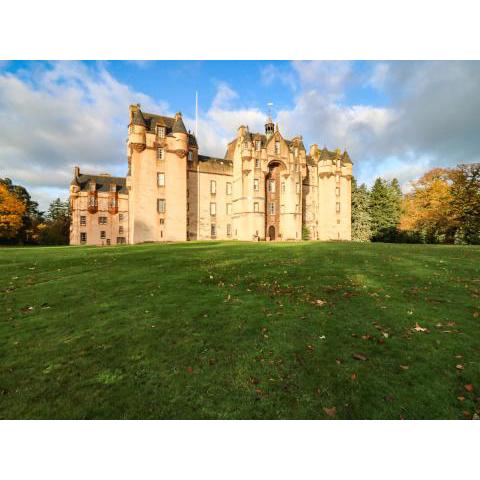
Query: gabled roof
x,y
152,121
102,182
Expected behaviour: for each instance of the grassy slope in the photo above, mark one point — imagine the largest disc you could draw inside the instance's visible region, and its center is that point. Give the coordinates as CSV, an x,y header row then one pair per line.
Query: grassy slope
x,y
233,330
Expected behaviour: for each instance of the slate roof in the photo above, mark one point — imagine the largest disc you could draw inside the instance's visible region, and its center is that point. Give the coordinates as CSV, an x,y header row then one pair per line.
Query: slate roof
x,y
171,126
103,182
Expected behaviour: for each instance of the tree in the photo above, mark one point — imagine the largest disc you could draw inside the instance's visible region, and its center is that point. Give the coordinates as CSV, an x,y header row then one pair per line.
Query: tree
x,y
427,209
32,217
385,209
12,210
361,220
465,192
56,229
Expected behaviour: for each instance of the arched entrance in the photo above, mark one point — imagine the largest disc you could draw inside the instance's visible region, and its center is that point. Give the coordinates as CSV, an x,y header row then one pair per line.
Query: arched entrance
x,y
271,232
273,189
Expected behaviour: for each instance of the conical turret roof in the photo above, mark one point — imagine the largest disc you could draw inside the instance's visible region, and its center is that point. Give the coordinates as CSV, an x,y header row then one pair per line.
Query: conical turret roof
x,y
179,126
138,118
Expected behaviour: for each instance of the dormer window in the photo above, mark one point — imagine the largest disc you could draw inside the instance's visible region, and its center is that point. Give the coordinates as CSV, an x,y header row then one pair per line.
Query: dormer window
x,y
277,148
113,187
258,145
190,156
338,163
92,186
161,132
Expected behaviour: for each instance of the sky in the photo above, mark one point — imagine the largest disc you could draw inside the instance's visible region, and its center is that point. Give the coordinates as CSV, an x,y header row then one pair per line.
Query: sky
x,y
396,119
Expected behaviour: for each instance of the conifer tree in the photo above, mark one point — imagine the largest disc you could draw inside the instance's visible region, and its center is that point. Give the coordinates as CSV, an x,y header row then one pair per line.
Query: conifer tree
x,y
385,209
361,221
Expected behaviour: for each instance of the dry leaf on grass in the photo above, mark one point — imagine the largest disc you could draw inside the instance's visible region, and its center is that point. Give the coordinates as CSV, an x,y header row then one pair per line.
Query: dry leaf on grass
x,y
459,367
359,356
469,387
404,367
331,412
418,328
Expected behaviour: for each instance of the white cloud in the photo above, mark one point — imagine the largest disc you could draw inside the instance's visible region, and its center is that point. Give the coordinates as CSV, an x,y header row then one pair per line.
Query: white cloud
x,y
63,115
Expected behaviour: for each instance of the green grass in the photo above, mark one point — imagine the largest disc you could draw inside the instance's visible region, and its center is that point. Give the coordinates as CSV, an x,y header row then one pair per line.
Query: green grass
x,y
240,330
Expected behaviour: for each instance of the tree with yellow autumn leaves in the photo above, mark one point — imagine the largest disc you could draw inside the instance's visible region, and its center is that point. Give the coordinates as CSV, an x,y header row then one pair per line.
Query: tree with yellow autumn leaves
x,y
12,210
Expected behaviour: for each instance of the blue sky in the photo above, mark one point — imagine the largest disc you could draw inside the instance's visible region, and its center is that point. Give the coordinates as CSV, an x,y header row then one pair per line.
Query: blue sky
x,y
396,119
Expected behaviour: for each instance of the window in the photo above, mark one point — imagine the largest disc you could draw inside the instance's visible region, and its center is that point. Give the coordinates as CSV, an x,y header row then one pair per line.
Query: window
x,y
213,230
102,220
83,237
338,163
271,186
295,167
213,186
258,145
160,132
338,221
190,155
338,207
277,148
161,179
257,163
160,153
161,205
103,235
255,207
297,208
120,217
283,187
337,191
229,208
92,201
120,230
337,178
255,184
298,187
229,188
271,208
213,209
229,230
92,186
121,240
162,221
83,220
113,187
296,151
188,206
112,202
108,241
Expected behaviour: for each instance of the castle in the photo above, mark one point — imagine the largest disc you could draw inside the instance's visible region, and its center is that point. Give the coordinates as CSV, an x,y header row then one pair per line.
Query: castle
x,y
266,188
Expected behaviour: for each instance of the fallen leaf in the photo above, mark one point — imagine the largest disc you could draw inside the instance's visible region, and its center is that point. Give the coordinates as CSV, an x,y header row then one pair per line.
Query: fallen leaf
x,y
404,367
476,314
461,398
459,367
331,412
190,370
320,303
418,328
353,376
466,413
359,356
469,387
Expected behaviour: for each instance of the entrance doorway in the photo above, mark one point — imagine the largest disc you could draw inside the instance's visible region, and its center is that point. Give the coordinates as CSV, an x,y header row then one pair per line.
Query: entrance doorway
x,y
271,232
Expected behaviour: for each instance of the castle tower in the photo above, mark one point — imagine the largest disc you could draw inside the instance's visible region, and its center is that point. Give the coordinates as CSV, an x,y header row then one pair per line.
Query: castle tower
x,y
157,152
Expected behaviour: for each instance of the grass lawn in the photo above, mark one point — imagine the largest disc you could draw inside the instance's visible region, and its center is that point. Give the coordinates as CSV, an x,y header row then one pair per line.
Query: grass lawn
x,y
240,330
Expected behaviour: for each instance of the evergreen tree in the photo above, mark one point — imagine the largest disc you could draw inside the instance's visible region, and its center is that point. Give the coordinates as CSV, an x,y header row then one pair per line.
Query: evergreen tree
x,y
56,230
465,193
361,220
385,209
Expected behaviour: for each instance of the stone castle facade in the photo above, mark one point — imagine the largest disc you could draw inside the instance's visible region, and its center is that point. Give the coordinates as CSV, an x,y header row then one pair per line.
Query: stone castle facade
x,y
266,188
